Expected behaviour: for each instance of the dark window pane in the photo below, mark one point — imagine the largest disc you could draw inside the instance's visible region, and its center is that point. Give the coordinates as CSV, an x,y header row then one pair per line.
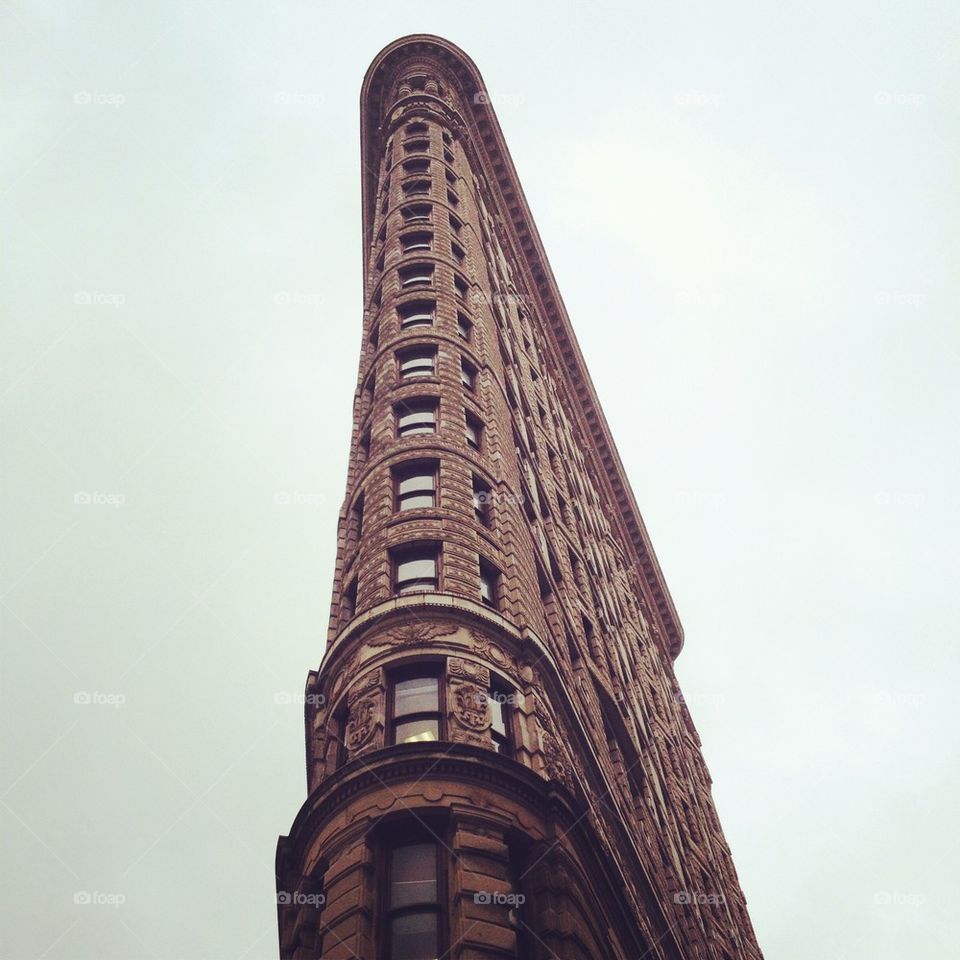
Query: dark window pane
x,y
497,724
413,875
417,731
414,937
417,695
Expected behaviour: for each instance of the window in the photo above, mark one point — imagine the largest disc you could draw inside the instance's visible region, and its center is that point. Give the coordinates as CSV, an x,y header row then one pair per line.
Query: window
x,y
459,254
415,569
464,326
416,128
416,188
358,517
451,176
416,707
364,445
482,499
415,486
446,137
375,334
448,156
415,417
468,373
420,145
418,275
452,199
416,241
501,700
455,224
416,313
417,362
413,902
474,431
460,287
349,606
489,583
416,213
382,235
416,165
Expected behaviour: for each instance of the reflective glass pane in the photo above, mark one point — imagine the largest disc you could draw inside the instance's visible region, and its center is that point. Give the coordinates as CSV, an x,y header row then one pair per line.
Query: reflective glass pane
x,y
417,695
414,937
417,731
413,875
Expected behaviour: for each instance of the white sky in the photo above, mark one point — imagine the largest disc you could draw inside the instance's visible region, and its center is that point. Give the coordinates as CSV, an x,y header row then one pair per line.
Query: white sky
x,y
757,201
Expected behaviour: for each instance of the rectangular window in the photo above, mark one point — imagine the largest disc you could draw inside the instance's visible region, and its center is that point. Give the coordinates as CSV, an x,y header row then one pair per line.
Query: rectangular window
x,y
460,287
415,417
459,254
415,128
358,517
413,905
489,583
415,486
417,165
455,224
416,569
482,500
464,326
501,701
416,213
416,146
416,313
448,156
417,275
416,188
349,607
468,373
417,362
452,199
451,177
416,241
474,431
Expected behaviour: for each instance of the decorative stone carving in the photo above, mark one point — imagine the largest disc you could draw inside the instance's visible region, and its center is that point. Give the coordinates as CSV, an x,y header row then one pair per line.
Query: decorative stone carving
x,y
468,670
470,706
519,671
411,634
361,725
367,682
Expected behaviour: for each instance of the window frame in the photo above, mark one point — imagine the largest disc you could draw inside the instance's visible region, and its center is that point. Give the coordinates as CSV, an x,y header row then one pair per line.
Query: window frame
x,y
416,275
473,431
431,403
420,351
408,552
490,577
409,470
420,669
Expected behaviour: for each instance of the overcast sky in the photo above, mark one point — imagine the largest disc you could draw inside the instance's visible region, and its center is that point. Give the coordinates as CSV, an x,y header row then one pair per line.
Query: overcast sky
x,y
751,212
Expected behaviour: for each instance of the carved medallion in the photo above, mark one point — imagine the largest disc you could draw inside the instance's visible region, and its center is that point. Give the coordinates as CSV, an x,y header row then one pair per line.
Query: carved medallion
x,y
361,724
470,706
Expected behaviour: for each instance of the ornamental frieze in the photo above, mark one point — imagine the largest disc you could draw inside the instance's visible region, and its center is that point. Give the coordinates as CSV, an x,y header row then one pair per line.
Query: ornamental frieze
x,y
411,634
363,732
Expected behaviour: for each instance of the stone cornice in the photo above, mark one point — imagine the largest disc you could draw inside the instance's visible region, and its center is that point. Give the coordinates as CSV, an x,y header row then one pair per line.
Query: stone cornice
x,y
488,140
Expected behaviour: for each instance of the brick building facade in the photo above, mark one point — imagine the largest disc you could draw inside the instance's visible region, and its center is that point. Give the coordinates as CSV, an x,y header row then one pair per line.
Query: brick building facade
x,y
499,762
